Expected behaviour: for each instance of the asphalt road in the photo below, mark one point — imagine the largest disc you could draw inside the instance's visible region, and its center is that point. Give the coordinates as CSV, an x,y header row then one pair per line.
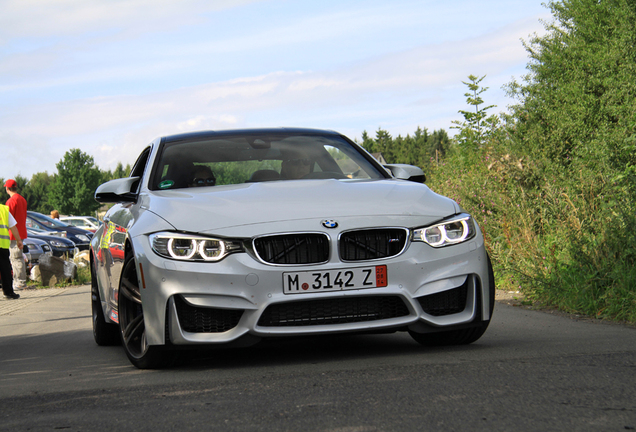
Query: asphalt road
x,y
532,371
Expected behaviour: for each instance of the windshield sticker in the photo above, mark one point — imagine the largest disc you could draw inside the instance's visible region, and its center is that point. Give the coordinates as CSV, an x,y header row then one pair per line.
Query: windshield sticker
x,y
166,184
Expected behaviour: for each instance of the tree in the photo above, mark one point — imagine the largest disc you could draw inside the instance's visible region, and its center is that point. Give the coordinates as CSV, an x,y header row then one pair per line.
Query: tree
x,y
74,187
438,144
474,129
367,142
575,127
36,192
418,149
120,172
578,100
383,143
22,185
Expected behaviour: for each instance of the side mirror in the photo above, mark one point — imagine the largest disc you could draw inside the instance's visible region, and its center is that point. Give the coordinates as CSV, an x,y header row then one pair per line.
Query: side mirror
x,y
118,190
406,172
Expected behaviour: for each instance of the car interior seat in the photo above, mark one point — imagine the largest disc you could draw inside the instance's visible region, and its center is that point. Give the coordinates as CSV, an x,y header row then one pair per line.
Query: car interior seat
x,y
264,175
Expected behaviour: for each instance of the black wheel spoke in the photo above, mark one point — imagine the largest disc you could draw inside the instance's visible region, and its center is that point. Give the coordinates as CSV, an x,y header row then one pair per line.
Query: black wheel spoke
x,y
132,325
131,315
130,290
133,333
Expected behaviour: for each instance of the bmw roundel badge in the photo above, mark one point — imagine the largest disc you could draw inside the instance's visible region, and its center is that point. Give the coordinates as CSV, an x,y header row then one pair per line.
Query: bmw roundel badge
x,y
329,223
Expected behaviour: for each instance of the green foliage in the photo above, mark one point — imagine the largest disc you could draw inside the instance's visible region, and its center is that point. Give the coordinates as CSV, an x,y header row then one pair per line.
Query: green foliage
x,y
562,249
553,184
83,276
577,119
236,173
36,192
120,172
21,181
475,128
419,149
74,187
578,100
383,143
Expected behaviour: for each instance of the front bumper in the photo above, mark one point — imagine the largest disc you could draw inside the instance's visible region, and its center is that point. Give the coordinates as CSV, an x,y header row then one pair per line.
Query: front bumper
x,y
428,290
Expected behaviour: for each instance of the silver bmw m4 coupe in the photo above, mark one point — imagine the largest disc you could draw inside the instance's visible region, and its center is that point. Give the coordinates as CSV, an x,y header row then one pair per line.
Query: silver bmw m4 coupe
x,y
223,238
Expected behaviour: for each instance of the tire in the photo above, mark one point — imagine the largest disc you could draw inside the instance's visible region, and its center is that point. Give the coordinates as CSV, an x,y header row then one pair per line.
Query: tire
x,y
462,336
132,325
105,334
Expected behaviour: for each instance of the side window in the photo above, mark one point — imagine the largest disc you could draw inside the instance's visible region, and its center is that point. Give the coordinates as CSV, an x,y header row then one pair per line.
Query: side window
x,y
140,166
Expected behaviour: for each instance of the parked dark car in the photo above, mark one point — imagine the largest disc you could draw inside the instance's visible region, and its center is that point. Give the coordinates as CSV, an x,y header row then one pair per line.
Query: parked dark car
x,y
80,237
36,248
59,245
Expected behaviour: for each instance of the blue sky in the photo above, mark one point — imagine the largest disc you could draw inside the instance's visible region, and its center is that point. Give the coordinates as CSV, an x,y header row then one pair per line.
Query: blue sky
x,y
108,76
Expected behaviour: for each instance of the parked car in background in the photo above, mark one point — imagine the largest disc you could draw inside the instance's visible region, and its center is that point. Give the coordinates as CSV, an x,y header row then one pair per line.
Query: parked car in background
x,y
229,237
80,237
88,223
60,246
36,248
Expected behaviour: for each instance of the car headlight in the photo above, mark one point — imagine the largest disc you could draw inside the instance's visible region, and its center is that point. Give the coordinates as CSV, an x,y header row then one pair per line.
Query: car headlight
x,y
57,243
186,247
83,238
458,229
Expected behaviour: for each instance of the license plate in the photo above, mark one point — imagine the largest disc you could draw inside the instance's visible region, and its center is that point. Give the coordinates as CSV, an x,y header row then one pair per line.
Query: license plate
x,y
335,280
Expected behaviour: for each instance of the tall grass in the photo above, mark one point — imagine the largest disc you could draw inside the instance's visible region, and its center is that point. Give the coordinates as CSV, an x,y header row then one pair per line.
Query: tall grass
x,y
563,235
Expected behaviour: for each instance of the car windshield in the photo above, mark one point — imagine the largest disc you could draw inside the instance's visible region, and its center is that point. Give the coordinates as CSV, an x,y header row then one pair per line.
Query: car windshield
x,y
49,222
227,160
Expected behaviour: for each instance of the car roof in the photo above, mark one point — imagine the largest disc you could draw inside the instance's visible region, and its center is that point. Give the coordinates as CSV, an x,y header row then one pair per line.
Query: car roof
x,y
255,131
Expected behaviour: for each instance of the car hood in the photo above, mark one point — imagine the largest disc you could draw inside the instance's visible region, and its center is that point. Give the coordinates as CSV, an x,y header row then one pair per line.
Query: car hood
x,y
289,204
47,238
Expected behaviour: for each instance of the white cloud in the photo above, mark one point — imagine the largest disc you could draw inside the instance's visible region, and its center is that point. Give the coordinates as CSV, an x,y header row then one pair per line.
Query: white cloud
x,y
201,122
58,18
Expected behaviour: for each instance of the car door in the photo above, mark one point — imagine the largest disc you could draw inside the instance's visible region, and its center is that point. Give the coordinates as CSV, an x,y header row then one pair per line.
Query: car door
x,y
113,239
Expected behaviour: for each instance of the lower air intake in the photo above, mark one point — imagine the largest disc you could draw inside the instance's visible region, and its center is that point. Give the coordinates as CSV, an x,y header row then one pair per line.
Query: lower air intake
x,y
446,302
333,311
195,319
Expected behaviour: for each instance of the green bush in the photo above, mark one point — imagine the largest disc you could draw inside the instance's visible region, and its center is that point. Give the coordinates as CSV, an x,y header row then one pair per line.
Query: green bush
x,y
560,237
553,185
83,276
